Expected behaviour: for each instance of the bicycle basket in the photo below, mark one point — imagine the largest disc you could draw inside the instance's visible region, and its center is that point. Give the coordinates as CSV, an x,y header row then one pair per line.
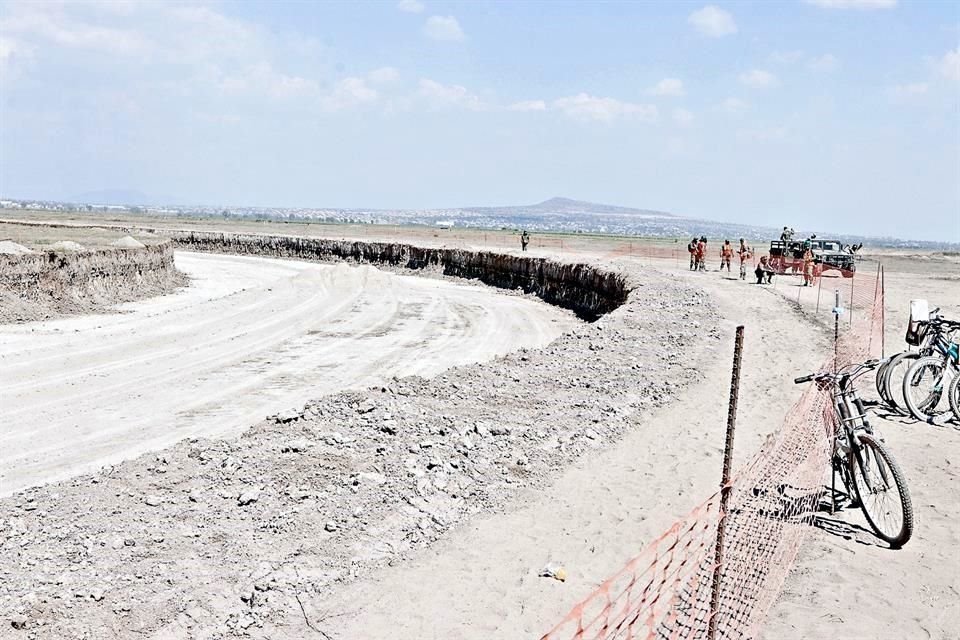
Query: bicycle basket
x,y
919,322
917,332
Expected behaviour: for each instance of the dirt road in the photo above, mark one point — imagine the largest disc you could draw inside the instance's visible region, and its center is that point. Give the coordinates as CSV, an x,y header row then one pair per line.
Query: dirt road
x,y
248,338
602,510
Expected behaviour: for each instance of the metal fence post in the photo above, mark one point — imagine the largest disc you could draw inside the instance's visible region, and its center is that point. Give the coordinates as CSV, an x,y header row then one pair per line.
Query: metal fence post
x,y
725,482
852,279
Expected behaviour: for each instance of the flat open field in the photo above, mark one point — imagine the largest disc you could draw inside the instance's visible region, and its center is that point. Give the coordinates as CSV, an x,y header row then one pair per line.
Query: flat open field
x,y
615,430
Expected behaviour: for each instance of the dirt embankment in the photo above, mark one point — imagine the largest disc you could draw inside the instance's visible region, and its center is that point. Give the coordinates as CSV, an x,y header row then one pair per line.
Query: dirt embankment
x,y
37,286
588,290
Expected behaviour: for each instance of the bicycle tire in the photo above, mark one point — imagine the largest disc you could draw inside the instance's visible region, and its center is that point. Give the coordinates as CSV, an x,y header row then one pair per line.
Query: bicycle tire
x,y
893,385
953,395
925,410
873,447
879,376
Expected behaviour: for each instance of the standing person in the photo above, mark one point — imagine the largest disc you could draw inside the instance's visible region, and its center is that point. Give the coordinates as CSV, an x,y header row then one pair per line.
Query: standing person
x,y
744,253
702,254
524,240
726,255
807,268
692,248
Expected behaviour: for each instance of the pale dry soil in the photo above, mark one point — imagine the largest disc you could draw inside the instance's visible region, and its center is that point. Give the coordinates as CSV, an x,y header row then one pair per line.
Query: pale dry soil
x,y
604,498
249,337
482,581
847,584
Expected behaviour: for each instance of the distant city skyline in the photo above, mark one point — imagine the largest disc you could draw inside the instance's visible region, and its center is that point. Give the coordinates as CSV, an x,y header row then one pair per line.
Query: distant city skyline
x,y
831,114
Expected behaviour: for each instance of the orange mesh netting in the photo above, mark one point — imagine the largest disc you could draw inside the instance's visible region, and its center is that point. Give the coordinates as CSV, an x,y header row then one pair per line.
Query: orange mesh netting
x,y
666,591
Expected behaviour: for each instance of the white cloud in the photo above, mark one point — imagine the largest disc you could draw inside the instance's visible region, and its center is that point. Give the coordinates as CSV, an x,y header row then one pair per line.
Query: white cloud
x,y
683,117
949,65
528,105
668,87
758,79
586,107
853,4
12,54
823,64
786,57
262,79
410,6
763,134
910,90
734,105
384,75
349,92
66,32
443,28
713,21
439,95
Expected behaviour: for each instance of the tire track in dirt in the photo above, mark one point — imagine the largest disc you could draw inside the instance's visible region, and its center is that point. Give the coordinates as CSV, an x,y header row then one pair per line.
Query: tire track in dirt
x,y
252,336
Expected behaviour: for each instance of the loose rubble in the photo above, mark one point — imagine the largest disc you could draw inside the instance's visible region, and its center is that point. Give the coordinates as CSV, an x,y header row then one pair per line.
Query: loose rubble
x,y
220,538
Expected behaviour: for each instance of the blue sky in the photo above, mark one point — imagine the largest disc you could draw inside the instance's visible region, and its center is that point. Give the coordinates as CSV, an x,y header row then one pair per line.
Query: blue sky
x,y
832,114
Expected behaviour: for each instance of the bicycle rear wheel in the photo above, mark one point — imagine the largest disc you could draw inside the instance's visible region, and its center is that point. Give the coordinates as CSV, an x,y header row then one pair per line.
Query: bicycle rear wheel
x,y
882,491
953,394
879,376
893,380
924,387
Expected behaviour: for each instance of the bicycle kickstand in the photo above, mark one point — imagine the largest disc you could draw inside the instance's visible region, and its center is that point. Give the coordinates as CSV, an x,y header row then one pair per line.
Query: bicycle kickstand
x,y
833,489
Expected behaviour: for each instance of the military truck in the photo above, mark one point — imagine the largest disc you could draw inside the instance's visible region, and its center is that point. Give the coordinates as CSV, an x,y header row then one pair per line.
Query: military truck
x,y
827,255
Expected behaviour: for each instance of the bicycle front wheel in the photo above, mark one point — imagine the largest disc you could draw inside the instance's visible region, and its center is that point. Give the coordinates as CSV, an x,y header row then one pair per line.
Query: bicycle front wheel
x,y
924,386
882,491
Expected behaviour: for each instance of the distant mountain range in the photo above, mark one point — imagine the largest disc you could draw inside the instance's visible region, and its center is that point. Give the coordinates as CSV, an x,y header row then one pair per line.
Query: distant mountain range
x,y
554,215
567,207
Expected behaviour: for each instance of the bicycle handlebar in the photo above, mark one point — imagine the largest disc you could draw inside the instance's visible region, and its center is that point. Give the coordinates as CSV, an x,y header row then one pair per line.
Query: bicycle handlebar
x,y
852,370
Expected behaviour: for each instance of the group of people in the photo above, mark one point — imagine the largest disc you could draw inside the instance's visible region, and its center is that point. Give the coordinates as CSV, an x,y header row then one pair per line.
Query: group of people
x,y
697,248
764,271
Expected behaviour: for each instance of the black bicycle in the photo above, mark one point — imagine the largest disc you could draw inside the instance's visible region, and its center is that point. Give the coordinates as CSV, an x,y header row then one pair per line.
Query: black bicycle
x,y
868,470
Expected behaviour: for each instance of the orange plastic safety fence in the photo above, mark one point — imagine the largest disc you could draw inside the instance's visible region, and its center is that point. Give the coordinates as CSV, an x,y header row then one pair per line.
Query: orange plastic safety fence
x,y
667,590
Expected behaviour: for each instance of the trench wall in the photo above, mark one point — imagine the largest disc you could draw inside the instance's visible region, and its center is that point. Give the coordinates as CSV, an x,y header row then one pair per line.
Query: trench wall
x,y
48,284
588,290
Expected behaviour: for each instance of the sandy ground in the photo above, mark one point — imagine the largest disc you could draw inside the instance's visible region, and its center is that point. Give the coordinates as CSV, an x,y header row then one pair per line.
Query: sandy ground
x,y
846,583
482,582
249,337
479,579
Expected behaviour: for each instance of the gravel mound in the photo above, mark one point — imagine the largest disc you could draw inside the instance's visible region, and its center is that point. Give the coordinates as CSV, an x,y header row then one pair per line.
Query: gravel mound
x,y
128,242
222,537
67,245
9,247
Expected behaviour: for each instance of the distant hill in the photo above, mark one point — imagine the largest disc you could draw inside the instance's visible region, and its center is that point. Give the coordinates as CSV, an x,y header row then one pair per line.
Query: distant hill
x,y
567,207
122,197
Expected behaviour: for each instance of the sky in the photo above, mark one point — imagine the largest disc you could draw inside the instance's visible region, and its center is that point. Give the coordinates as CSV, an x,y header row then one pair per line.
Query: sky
x,y
829,114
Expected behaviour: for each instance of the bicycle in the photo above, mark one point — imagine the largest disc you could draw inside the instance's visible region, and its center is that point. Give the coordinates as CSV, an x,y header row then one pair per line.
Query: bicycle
x,y
926,380
890,378
865,465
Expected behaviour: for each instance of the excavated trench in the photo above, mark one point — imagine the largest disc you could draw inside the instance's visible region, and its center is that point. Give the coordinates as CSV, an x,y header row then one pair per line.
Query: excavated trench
x,y
587,290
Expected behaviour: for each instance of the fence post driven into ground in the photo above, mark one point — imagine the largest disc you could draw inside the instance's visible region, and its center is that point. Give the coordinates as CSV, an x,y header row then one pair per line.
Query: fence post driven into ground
x,y
819,288
837,310
883,313
725,481
852,280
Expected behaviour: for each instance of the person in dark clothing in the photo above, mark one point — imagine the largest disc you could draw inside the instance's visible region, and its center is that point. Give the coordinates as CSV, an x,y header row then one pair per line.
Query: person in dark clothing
x,y
763,271
524,240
